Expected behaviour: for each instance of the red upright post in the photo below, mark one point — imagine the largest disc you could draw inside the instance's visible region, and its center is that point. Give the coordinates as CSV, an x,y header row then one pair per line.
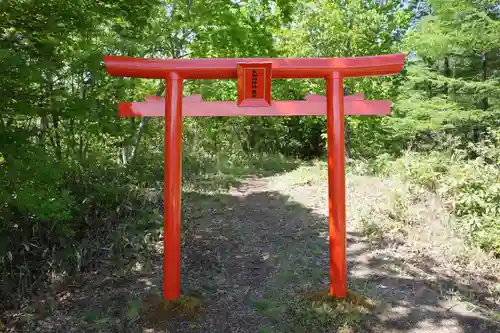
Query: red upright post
x,y
172,188
336,184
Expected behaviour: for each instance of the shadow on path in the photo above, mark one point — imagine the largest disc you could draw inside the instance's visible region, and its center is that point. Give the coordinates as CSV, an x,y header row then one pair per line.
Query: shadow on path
x,y
258,245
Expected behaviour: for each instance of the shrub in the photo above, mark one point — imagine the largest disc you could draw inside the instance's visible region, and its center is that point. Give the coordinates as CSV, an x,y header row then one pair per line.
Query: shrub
x,y
470,188
59,217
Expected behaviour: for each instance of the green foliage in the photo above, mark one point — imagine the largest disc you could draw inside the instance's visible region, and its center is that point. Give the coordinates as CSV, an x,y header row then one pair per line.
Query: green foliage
x,y
74,177
452,84
320,29
344,29
63,189
469,187
446,111
318,310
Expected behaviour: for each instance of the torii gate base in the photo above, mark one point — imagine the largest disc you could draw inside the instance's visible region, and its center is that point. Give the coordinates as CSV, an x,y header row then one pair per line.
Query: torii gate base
x,y
254,94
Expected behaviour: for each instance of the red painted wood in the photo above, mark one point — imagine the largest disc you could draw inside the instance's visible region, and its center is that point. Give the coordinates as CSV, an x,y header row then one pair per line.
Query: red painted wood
x,y
283,68
314,105
309,97
172,188
336,184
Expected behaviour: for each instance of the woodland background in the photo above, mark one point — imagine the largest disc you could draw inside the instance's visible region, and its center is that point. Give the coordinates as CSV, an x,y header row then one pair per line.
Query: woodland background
x,y
74,177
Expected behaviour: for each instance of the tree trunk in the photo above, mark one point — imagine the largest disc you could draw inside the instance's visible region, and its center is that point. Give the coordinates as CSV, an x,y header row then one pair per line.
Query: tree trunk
x,y
485,77
142,126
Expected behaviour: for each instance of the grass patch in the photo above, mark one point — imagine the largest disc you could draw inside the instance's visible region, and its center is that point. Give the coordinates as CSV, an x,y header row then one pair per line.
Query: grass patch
x,y
263,304
320,312
212,173
371,230
352,302
269,308
315,312
469,190
153,308
399,208
266,330
308,173
395,219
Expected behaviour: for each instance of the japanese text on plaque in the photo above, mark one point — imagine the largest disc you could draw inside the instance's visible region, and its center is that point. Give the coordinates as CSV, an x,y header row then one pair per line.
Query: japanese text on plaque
x,y
254,83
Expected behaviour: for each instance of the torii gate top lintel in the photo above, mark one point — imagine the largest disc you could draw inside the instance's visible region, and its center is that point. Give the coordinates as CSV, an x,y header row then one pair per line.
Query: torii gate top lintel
x,y
254,99
282,68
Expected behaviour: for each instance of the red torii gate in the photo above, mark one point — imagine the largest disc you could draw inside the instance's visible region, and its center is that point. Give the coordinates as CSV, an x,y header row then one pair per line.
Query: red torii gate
x,y
254,99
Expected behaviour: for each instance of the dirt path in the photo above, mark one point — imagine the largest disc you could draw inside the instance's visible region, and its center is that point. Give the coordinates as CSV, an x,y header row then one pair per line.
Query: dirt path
x,y
403,253
250,252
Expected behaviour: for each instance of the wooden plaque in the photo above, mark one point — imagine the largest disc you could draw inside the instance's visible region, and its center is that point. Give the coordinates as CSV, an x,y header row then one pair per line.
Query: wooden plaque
x,y
254,84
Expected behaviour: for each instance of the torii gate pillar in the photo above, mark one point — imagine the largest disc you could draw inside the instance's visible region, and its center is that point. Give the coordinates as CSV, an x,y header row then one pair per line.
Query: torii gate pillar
x,y
333,70
336,184
172,188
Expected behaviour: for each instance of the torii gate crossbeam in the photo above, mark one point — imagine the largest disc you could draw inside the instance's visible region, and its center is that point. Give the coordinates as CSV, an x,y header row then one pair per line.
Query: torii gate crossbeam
x,y
254,92
314,105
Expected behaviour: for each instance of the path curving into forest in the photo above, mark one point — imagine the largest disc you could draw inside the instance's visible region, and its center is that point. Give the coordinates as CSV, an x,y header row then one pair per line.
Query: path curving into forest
x,y
250,251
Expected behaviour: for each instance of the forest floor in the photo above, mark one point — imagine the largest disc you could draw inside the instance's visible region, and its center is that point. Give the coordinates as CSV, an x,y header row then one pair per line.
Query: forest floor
x,y
255,259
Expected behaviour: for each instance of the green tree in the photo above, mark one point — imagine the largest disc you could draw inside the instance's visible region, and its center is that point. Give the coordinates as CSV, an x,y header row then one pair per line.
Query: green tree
x,y
453,82
59,134
344,29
